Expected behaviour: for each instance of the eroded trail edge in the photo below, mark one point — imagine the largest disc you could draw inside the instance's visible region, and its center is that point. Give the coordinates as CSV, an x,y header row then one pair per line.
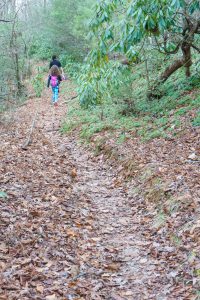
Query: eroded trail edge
x,y
69,229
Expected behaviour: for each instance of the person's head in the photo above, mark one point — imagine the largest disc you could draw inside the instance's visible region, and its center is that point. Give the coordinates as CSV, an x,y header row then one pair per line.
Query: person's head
x,y
54,57
54,71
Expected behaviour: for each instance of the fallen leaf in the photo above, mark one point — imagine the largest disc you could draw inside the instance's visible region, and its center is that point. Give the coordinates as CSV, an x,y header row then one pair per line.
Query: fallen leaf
x,y
73,173
3,247
2,266
75,270
40,288
51,297
49,264
96,239
128,293
123,221
35,213
192,156
71,233
113,267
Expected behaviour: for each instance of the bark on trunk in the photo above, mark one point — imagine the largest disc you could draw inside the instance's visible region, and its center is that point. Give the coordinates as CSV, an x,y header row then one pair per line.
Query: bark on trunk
x,y
17,73
171,69
186,49
185,61
153,90
189,30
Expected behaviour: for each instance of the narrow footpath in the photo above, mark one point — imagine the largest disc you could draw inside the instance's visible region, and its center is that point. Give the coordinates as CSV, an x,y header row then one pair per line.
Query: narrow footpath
x,y
68,231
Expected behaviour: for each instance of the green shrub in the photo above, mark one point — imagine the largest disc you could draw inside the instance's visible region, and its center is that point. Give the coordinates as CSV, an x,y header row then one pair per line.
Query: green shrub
x,y
38,84
196,120
129,111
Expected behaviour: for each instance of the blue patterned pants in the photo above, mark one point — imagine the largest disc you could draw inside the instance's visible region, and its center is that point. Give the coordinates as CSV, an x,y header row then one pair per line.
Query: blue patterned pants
x,y
55,91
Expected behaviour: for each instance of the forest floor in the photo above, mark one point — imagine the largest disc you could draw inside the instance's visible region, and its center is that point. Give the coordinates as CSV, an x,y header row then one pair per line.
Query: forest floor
x,y
72,226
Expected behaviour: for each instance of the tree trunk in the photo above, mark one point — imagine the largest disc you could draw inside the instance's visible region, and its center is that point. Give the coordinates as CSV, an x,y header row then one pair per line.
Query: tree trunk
x,y
185,61
189,31
17,72
153,90
45,6
186,49
170,70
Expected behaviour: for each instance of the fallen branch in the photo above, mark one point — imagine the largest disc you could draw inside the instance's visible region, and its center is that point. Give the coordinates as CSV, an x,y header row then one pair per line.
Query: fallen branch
x,y
31,96
25,145
23,104
74,97
51,130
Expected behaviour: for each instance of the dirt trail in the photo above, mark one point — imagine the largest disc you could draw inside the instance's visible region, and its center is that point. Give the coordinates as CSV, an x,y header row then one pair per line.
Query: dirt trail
x,y
68,230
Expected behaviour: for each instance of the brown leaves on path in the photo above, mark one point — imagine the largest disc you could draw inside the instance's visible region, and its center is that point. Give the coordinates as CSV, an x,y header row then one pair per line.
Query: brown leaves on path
x,y
37,247
70,228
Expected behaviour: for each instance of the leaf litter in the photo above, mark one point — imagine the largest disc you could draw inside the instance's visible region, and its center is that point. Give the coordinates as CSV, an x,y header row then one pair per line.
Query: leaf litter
x,y
72,228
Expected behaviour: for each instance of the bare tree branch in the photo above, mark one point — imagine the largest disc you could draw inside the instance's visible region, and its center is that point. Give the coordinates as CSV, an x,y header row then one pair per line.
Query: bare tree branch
x,y
6,21
196,48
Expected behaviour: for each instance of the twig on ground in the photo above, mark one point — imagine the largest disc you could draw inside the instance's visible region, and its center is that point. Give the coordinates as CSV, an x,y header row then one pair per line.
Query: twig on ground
x,y
71,98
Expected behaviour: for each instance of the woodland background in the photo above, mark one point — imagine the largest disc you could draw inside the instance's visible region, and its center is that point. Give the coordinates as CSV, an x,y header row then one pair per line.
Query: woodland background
x,y
133,98
127,56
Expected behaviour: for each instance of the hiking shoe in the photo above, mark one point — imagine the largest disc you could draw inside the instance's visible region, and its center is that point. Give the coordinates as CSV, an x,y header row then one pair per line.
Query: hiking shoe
x,y
55,104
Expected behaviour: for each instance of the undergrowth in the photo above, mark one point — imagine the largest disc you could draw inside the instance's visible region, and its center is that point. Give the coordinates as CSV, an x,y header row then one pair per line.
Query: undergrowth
x,y
130,113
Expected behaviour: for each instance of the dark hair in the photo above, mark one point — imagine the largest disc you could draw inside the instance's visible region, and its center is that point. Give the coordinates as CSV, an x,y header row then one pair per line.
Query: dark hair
x,y
54,57
54,71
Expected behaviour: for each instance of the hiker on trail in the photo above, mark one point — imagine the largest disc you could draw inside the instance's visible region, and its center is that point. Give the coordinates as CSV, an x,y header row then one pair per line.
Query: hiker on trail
x,y
56,62
54,80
